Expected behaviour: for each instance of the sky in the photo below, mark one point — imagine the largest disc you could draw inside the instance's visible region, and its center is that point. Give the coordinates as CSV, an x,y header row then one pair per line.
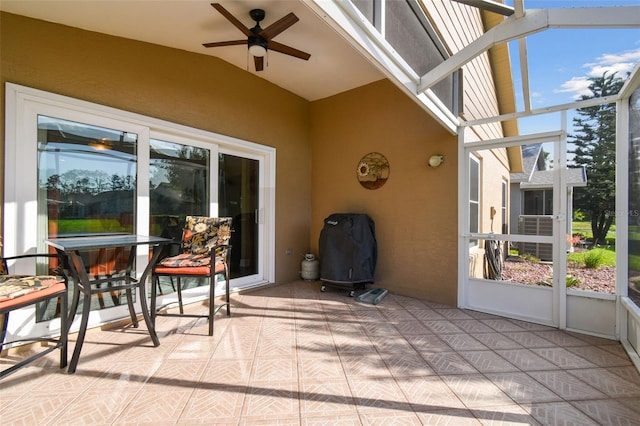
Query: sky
x,y
561,61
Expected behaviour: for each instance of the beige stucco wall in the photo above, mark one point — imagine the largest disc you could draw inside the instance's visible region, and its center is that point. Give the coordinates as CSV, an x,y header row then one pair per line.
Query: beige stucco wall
x,y
415,212
193,90
318,144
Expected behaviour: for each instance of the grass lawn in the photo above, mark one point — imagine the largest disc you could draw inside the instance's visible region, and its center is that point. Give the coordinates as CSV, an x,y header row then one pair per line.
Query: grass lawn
x,y
584,228
92,226
608,256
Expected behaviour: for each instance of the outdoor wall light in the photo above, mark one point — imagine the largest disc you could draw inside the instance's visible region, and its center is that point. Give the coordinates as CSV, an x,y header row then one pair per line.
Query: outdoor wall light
x,y
436,160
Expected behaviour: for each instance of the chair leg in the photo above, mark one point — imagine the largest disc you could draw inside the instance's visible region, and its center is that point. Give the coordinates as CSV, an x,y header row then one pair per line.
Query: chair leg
x,y
157,283
228,298
180,296
3,330
212,302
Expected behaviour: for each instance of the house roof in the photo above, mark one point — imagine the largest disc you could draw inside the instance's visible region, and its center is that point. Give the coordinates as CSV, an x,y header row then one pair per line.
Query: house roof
x,y
541,179
530,156
536,175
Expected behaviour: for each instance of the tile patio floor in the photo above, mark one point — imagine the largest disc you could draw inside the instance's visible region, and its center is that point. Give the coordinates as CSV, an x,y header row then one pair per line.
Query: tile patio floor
x,y
291,355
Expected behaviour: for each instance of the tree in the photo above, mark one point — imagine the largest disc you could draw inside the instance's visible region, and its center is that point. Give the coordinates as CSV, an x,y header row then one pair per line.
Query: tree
x,y
595,150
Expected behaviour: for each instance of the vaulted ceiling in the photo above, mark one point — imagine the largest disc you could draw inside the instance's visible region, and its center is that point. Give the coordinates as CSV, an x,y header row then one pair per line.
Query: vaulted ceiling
x,y
334,65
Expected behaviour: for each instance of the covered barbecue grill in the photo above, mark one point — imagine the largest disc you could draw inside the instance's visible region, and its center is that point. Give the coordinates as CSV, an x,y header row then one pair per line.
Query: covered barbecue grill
x,y
348,251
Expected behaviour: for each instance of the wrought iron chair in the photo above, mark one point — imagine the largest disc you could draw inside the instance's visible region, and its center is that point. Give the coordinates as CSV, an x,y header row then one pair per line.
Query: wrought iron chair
x,y
19,291
204,253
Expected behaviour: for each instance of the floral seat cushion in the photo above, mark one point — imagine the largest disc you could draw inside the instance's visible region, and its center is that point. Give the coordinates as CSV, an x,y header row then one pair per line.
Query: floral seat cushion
x,y
199,236
186,259
14,286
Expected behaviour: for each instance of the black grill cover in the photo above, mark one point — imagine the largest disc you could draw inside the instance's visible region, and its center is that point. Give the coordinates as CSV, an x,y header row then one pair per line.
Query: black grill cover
x,y
348,249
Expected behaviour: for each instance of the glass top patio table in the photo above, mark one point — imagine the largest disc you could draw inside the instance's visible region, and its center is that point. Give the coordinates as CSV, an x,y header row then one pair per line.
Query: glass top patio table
x,y
71,248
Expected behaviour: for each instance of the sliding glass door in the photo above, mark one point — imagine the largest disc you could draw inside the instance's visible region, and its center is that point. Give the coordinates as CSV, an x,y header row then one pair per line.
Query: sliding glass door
x,y
75,168
238,183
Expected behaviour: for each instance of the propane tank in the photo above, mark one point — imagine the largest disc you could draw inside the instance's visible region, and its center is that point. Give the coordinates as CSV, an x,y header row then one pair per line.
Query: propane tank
x,y
310,268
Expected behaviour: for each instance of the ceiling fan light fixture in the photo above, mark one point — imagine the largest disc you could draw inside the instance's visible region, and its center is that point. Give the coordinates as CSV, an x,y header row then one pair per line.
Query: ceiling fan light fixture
x,y
257,50
257,46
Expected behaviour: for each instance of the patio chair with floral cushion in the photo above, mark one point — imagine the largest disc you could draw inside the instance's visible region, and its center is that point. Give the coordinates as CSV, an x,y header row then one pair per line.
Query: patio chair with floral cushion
x,y
204,253
20,291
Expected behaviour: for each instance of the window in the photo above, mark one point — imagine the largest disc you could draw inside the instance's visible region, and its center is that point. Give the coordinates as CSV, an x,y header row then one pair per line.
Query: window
x,y
474,198
178,184
405,27
538,202
78,168
86,178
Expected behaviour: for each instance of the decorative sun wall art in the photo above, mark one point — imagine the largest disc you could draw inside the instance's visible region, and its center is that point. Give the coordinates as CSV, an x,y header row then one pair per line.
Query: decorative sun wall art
x,y
373,170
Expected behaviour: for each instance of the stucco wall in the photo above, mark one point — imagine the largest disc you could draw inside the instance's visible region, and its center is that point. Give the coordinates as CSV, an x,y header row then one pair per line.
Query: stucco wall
x,y
415,212
318,145
194,90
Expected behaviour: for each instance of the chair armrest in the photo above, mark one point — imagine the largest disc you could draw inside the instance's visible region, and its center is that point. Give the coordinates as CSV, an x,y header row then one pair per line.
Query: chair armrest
x,y
225,250
59,270
23,256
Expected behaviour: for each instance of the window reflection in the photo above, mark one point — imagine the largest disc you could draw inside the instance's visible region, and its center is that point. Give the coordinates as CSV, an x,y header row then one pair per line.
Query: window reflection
x,y
86,186
179,186
86,178
179,182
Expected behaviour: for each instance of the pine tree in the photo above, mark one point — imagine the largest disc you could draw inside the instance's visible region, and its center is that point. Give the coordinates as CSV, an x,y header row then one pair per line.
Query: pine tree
x,y
595,150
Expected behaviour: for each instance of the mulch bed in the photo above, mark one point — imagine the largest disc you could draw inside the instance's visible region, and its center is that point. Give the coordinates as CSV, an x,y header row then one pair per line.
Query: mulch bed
x,y
601,280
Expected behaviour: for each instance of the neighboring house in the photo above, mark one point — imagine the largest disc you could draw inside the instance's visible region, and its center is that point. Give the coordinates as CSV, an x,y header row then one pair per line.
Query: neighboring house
x,y
532,199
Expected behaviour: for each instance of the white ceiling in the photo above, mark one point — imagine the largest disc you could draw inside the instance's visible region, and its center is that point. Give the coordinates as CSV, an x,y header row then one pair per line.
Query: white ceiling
x,y
334,65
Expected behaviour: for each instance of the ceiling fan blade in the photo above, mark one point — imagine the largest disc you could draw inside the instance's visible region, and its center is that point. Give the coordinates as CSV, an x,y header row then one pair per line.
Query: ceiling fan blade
x,y
224,12
279,26
225,43
288,50
259,62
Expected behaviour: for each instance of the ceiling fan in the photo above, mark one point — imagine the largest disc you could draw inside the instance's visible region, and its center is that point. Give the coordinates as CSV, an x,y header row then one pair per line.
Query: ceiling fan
x,y
258,39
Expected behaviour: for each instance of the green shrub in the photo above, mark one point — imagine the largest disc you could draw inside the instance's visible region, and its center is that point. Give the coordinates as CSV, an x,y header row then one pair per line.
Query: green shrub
x,y
527,257
608,256
593,259
572,281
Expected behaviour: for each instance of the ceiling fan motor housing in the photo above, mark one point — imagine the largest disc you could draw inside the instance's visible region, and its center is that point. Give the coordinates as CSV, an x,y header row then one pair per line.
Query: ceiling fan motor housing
x,y
257,14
